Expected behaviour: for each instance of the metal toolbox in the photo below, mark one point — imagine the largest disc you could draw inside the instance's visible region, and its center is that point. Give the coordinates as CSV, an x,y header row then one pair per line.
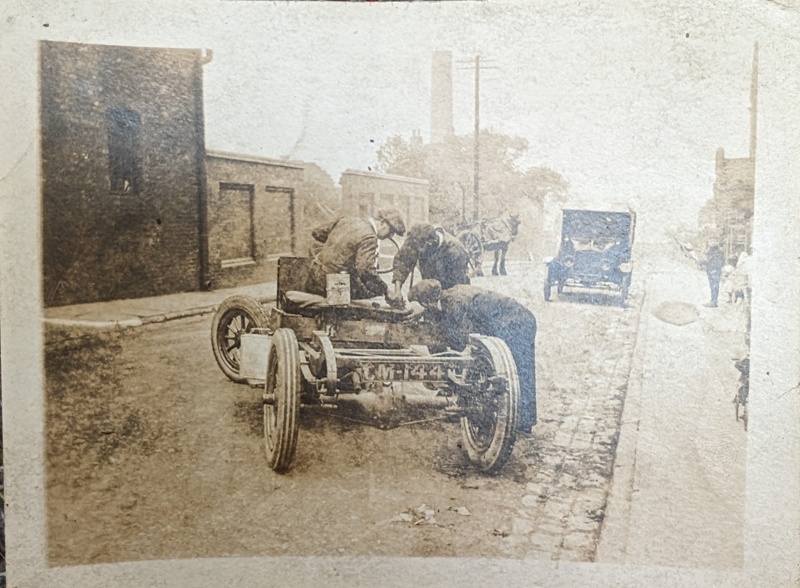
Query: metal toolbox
x,y
255,351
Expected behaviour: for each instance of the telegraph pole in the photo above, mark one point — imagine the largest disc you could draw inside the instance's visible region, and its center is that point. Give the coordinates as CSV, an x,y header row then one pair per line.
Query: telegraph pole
x,y
754,103
476,202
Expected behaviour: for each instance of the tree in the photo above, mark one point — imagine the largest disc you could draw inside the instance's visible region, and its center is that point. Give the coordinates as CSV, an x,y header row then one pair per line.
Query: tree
x,y
541,183
449,168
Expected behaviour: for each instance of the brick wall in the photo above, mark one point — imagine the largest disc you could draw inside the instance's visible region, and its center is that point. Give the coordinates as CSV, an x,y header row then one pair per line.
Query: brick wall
x,y
254,217
102,239
364,192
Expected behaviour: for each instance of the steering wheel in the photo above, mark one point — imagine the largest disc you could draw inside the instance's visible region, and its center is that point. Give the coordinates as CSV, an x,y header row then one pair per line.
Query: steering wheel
x,y
382,256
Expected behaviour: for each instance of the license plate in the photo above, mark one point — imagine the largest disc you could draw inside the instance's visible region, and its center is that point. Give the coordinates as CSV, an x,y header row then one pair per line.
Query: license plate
x,y
387,372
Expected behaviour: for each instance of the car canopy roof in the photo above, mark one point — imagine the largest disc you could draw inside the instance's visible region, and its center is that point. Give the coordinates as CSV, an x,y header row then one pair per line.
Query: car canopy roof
x,y
606,225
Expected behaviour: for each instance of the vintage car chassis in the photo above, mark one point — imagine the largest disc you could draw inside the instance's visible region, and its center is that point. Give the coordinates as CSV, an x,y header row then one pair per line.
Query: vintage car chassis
x,y
313,354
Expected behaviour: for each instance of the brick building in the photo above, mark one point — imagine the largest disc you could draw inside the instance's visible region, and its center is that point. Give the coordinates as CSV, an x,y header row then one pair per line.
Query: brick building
x,y
254,215
123,184
729,213
363,193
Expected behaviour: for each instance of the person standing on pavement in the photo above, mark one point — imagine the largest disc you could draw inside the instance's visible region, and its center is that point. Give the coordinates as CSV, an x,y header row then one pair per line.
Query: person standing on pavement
x,y
350,244
713,263
440,256
467,309
741,278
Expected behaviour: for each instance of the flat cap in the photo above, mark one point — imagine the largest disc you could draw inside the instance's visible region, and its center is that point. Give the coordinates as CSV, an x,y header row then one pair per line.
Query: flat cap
x,y
393,218
422,232
426,292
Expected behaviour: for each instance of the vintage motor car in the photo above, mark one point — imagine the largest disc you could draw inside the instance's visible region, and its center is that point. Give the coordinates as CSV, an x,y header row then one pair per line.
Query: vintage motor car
x,y
594,252
316,351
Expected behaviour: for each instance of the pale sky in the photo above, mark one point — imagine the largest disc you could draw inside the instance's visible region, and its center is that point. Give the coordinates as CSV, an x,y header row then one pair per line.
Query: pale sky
x,y
620,101
627,100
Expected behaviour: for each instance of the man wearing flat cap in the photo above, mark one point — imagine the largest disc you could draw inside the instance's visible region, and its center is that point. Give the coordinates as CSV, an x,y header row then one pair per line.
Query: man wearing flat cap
x,y
440,256
350,244
465,309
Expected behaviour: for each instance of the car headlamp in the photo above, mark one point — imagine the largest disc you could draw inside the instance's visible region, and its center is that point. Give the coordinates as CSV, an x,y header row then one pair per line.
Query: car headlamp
x,y
569,261
605,265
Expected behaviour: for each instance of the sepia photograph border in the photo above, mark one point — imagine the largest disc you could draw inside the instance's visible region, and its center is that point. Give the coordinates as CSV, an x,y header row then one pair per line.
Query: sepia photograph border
x,y
772,516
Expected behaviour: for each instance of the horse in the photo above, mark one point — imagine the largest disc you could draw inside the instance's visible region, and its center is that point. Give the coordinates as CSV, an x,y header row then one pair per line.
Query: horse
x,y
496,235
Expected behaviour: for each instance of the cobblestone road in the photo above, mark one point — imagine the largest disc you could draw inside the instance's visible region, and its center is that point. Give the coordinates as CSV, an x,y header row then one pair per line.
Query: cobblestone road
x,y
584,355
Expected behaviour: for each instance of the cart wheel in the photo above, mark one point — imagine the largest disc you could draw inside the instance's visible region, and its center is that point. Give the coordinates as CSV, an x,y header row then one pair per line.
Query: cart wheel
x,y
489,429
623,291
472,243
281,424
235,316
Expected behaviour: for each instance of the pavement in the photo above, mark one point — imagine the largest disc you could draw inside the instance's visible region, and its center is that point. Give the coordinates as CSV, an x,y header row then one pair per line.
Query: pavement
x,y
678,493
135,312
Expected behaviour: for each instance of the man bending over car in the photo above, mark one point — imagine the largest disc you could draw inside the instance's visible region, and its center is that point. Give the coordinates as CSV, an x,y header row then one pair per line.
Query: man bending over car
x,y
469,309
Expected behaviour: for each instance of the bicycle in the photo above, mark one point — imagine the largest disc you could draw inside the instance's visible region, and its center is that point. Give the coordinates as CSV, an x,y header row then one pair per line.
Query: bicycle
x,y
740,400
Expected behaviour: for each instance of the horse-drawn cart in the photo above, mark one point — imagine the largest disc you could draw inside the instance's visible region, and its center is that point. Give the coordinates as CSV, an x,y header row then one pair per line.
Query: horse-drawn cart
x,y
306,352
492,235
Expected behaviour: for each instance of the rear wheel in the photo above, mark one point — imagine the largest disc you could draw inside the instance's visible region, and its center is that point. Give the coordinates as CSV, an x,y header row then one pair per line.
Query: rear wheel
x,y
236,316
282,402
624,290
490,425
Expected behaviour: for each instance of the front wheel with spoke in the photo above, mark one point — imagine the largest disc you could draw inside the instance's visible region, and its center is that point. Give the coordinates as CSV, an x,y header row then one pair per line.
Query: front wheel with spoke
x,y
236,316
492,406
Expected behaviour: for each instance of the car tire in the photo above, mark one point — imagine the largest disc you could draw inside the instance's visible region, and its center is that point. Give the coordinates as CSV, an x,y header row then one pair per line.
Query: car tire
x,y
282,413
624,291
234,317
490,426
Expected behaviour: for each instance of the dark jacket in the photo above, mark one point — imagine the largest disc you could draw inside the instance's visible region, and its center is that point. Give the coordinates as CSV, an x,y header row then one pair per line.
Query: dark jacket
x,y
348,245
447,262
715,259
469,309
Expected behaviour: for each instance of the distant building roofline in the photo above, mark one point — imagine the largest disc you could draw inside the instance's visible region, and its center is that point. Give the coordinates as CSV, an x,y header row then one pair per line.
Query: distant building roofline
x,y
118,46
369,174
254,159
